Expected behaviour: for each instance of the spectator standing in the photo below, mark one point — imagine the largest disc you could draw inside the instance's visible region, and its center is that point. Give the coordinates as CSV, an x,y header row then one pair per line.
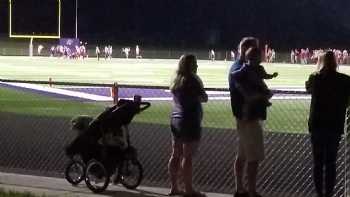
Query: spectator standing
x,y
186,116
330,92
250,146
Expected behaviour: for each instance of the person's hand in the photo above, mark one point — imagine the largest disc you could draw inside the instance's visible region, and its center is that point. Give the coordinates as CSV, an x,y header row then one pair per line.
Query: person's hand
x,y
203,98
275,74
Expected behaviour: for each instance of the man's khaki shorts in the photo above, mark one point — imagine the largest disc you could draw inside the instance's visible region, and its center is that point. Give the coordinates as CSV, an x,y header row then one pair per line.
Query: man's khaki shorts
x,y
250,140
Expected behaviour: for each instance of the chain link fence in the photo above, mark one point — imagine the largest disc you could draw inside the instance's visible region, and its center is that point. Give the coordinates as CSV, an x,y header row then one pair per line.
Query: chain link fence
x,y
35,128
347,154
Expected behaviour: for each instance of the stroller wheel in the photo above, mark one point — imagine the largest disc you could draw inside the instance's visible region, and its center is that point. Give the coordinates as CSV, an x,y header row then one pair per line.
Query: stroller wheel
x,y
97,178
130,173
75,172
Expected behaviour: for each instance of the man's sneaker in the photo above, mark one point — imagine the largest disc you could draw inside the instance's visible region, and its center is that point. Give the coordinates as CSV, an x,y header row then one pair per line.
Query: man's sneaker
x,y
243,194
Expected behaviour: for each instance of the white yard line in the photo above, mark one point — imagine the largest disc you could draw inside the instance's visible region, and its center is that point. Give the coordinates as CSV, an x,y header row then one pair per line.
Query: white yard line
x,y
94,97
60,91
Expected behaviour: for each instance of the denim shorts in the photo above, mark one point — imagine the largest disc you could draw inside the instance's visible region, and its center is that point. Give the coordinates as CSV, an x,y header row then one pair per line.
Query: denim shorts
x,y
187,132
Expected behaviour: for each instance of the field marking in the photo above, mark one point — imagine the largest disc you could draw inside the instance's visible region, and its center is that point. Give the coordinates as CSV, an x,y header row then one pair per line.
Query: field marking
x,y
210,92
94,97
60,91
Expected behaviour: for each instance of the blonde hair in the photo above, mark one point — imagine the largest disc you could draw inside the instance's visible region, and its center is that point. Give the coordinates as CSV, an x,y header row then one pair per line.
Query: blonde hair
x,y
187,66
320,57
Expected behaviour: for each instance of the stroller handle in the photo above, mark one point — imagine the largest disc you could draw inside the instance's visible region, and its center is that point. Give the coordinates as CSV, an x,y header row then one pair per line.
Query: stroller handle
x,y
144,105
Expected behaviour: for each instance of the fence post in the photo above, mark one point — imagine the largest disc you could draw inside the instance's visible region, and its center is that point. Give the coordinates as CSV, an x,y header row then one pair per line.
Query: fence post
x,y
115,92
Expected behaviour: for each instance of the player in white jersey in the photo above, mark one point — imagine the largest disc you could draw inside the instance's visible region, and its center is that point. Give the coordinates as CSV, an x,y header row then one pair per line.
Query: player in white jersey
x,y
98,52
126,52
106,51
137,52
40,48
212,55
110,51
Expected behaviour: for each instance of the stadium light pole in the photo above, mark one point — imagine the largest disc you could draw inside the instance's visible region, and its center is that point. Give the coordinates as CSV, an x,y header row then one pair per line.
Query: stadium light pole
x,y
76,19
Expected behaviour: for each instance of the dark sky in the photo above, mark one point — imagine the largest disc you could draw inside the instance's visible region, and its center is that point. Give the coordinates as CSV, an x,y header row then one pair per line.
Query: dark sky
x,y
197,23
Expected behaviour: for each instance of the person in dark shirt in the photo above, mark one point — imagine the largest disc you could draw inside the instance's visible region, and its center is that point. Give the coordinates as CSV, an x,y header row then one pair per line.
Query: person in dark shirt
x,y
186,116
251,82
330,92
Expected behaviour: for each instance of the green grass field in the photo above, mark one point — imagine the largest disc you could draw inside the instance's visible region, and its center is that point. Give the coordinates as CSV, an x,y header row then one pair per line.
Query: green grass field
x,y
284,116
132,71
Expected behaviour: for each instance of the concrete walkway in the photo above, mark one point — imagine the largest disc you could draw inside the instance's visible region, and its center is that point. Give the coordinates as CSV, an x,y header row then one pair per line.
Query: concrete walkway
x,y
60,187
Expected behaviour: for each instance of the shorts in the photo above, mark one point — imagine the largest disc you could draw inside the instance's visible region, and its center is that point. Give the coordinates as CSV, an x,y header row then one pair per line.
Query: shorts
x,y
185,132
250,140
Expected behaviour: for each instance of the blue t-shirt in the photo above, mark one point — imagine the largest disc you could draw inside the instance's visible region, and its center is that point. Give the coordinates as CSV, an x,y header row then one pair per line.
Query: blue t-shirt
x,y
236,96
234,67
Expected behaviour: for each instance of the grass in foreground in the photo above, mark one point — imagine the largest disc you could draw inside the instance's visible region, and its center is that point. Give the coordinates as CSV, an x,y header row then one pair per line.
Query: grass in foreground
x,y
289,116
4,193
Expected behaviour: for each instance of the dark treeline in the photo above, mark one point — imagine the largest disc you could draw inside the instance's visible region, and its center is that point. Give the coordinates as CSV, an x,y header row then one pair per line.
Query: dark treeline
x,y
207,23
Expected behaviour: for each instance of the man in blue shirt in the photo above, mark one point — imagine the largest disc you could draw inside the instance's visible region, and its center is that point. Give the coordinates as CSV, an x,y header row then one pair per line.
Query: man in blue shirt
x,y
249,132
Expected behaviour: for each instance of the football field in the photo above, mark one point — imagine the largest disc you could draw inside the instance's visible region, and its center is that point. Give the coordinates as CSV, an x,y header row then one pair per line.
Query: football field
x,y
287,114
139,71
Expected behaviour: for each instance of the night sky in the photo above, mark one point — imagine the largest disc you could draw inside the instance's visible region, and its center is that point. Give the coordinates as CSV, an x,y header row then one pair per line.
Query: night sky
x,y
196,23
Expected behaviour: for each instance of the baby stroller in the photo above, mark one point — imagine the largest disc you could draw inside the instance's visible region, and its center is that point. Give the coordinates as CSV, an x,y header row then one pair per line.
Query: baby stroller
x,y
102,149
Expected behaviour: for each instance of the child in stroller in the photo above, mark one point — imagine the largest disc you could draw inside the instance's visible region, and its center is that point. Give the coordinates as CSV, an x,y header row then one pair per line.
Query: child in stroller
x,y
106,138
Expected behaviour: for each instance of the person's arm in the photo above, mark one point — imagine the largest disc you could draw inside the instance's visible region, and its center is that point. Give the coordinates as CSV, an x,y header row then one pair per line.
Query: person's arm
x,y
144,105
309,84
271,76
199,89
203,97
266,75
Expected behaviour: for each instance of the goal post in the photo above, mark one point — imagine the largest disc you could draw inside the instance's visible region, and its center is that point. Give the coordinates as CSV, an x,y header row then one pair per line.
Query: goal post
x,y
34,36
